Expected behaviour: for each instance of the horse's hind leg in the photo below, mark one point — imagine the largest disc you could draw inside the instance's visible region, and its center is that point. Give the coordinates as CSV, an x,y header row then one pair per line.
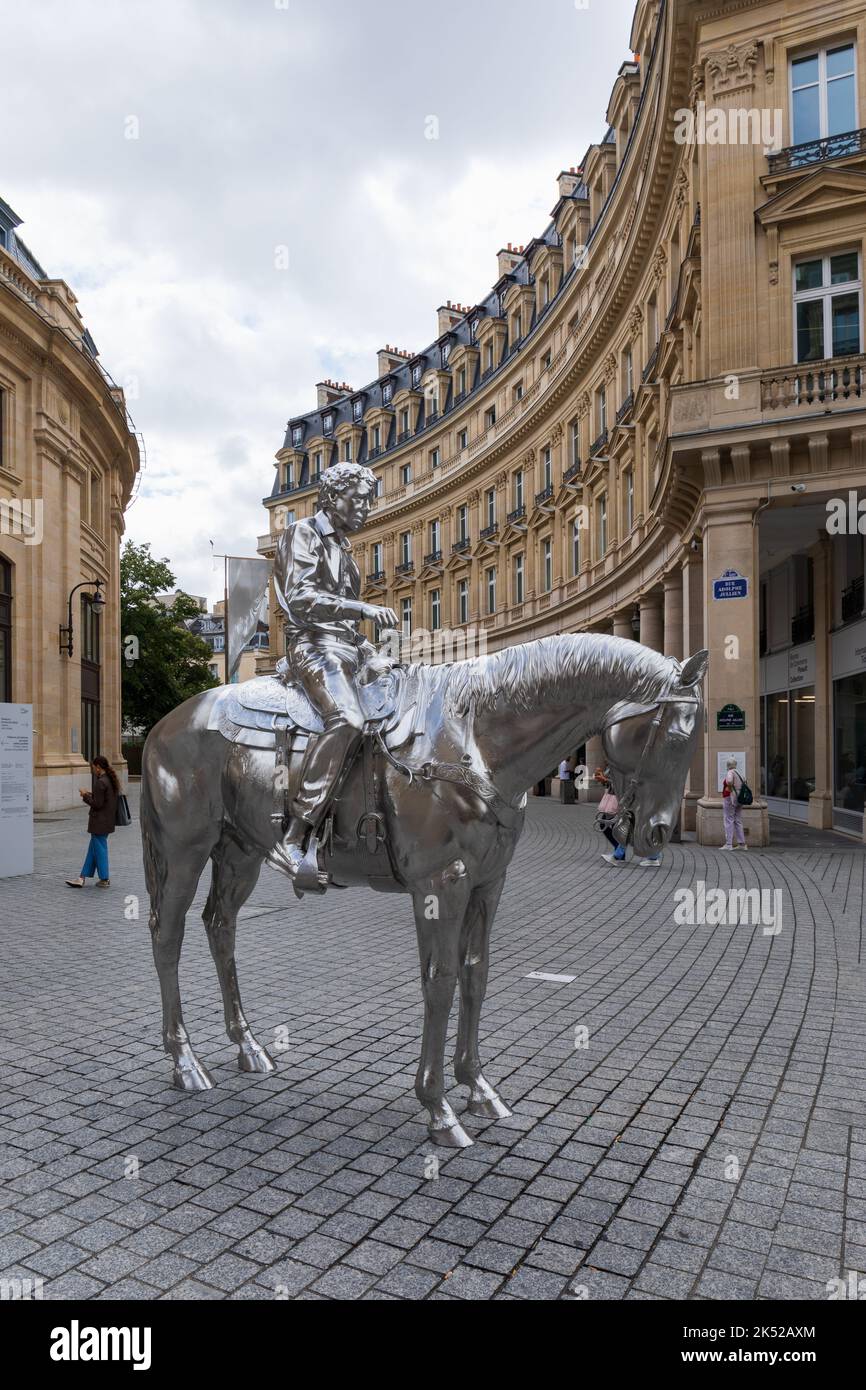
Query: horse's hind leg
x,y
474,958
235,874
169,902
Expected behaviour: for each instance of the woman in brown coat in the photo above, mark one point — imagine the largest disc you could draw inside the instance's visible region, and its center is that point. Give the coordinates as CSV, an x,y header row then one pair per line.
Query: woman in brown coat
x,y
102,800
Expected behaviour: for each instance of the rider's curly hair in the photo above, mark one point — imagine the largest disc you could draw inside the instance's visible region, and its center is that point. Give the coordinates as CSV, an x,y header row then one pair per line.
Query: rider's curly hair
x,y
340,477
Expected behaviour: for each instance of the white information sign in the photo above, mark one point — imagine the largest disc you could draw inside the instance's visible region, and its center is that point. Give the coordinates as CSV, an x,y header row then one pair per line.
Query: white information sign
x,y
16,790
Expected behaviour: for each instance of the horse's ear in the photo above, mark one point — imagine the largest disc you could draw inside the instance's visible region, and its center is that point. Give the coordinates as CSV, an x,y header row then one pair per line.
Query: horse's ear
x,y
695,668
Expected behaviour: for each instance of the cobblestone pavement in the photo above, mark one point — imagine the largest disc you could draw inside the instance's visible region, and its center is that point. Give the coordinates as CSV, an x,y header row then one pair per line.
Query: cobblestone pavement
x,y
708,1142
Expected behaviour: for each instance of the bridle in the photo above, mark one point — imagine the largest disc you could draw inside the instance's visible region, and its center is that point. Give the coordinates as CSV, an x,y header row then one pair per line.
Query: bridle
x,y
624,820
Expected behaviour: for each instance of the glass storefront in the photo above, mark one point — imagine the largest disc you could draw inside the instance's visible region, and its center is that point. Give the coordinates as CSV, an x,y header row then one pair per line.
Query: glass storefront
x,y
849,752
788,750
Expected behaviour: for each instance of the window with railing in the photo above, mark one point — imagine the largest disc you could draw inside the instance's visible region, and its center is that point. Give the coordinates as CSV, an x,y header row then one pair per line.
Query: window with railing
x,y
575,548
823,94
518,489
828,306
463,522
405,547
406,616
490,506
435,610
463,600
547,564
628,480
518,578
546,468
435,536
602,525
490,583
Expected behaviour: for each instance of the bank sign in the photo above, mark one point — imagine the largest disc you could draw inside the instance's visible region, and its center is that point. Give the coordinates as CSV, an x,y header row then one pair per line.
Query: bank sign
x,y
731,585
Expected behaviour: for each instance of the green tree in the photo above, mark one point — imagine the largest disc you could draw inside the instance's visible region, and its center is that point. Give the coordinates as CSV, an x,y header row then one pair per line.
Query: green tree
x,y
170,662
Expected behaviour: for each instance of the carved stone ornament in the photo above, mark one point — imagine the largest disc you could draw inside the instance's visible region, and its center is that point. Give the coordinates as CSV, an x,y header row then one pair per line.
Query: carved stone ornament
x,y
732,68
609,366
681,188
635,320
473,497
583,406
660,260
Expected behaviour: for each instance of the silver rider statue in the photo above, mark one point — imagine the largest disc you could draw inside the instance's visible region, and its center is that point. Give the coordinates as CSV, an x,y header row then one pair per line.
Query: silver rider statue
x,y
317,584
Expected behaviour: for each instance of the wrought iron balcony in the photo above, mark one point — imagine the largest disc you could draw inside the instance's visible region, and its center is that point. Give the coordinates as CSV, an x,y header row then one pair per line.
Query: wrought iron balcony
x,y
816,151
374,453
803,625
626,408
432,415
544,495
852,601
650,366
488,371
516,514
489,531
598,444
406,568
573,471
434,558
403,436
377,577
460,398
461,545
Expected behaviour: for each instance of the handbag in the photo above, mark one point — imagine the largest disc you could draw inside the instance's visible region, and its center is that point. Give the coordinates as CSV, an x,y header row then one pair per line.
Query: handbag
x,y
744,793
122,814
608,806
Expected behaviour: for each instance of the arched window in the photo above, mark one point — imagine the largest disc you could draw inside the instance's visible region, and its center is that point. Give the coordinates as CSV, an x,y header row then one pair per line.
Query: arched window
x,y
5,630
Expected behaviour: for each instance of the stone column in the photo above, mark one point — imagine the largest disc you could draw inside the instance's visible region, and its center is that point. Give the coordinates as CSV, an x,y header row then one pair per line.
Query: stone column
x,y
732,628
673,614
693,641
651,623
622,625
821,799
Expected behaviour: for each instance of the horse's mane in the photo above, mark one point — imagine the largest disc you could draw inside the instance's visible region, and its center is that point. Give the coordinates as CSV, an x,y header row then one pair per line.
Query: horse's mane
x,y
549,670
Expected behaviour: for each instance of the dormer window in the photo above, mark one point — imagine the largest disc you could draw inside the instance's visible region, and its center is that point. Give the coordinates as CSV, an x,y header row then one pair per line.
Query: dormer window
x,y
297,435
446,353
387,392
473,330
357,409
328,423
416,374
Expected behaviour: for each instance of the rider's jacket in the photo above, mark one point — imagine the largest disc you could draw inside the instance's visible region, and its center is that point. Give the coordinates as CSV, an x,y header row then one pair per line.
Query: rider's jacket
x,y
314,571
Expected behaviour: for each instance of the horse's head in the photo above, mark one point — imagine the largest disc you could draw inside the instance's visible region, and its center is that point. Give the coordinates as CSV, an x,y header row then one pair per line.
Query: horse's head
x,y
648,748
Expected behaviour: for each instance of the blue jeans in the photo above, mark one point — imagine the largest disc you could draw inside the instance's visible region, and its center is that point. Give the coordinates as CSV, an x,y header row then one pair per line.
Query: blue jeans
x,y
97,858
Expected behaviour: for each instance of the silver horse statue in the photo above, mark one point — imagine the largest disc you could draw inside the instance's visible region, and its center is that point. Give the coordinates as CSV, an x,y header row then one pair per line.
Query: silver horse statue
x,y
451,813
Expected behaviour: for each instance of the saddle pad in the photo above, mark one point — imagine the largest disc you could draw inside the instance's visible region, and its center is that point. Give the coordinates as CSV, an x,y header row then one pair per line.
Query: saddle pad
x,y
264,707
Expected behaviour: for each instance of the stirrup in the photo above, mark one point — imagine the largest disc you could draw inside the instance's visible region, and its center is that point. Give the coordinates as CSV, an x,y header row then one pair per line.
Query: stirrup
x,y
306,880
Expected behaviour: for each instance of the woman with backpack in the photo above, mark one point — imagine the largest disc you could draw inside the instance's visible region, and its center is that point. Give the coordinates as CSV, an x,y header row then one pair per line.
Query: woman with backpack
x,y
732,791
102,800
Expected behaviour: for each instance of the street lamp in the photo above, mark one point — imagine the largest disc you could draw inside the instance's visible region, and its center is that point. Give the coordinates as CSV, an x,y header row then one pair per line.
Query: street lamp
x,y
97,603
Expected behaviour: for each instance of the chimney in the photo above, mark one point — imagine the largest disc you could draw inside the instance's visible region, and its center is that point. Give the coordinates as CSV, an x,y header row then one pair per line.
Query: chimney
x,y
568,181
326,393
449,315
389,358
507,259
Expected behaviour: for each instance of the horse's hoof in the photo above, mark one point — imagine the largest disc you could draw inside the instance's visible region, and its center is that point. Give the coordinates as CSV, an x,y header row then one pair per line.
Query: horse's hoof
x,y
252,1057
452,1137
190,1075
488,1108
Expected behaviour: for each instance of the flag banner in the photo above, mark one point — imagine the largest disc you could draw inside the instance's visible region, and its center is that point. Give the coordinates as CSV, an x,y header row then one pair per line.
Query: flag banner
x,y
246,607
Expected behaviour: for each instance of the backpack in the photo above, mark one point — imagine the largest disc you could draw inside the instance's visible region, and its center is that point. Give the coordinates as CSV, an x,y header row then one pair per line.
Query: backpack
x,y
743,791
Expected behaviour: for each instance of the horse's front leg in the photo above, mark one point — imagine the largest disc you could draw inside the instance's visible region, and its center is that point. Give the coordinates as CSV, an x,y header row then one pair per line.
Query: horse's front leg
x,y
440,906
474,960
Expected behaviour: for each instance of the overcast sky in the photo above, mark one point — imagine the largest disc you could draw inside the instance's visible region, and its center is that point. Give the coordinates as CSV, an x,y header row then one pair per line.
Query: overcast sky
x,y
267,131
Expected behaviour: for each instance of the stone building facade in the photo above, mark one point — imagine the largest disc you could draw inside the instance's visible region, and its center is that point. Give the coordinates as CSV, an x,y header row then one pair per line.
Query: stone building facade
x,y
649,424
68,463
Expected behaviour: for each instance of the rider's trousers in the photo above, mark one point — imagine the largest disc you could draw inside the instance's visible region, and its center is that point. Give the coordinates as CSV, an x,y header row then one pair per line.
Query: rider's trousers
x,y
327,672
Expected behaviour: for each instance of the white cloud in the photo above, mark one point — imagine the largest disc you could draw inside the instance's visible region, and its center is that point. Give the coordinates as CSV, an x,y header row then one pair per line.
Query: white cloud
x,y
262,126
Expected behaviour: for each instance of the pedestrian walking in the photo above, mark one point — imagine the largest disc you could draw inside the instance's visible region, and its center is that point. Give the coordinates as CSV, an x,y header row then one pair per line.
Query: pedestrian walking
x,y
102,800
732,811
607,810
566,781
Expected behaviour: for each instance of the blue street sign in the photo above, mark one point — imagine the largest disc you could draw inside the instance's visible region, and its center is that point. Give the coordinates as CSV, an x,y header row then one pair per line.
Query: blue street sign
x,y
731,585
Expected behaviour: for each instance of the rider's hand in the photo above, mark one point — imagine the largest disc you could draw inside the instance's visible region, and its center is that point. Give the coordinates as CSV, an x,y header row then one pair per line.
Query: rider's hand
x,y
382,617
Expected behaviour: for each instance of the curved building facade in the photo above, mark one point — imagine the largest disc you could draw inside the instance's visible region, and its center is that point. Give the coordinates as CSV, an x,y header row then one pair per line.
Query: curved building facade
x,y
68,462
648,424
